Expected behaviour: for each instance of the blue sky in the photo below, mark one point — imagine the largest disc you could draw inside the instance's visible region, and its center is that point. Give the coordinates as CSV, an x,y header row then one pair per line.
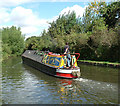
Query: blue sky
x,y
33,15
50,9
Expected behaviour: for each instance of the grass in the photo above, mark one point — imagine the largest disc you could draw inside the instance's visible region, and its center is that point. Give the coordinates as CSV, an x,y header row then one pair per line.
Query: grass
x,y
100,62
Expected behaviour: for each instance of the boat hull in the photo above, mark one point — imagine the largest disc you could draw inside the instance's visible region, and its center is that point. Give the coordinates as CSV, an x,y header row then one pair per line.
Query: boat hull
x,y
39,66
35,61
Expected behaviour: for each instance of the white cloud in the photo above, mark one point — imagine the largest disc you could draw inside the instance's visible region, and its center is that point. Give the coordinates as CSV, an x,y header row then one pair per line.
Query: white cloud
x,y
29,29
9,3
76,8
4,15
30,23
23,17
27,20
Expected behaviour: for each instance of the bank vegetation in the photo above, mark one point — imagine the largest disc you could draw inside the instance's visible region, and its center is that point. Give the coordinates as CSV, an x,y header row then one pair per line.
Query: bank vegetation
x,y
96,35
12,42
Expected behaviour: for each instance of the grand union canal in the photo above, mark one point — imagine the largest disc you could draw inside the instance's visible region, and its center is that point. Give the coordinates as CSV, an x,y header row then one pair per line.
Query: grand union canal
x,y
22,84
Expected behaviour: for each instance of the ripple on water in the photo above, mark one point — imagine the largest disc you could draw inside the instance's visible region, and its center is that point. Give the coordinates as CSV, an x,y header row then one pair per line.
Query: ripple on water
x,y
23,84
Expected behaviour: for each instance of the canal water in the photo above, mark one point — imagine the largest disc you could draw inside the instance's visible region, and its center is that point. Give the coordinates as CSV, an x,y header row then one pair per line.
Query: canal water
x,y
22,84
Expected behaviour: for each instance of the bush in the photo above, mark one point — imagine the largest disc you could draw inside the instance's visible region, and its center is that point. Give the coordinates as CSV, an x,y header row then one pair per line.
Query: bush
x,y
12,42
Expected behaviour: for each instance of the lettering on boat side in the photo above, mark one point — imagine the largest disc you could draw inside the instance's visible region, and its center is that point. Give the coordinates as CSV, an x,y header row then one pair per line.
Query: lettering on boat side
x,y
54,61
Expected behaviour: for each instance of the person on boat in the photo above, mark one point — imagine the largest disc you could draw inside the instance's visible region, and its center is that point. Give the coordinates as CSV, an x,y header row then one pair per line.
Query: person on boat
x,y
67,52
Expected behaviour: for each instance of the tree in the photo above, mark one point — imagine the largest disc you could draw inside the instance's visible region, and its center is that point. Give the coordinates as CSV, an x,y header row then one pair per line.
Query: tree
x,y
12,41
111,13
64,25
95,35
92,13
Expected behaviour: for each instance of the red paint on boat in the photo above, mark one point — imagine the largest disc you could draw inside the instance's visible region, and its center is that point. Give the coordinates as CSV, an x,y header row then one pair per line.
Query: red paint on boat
x,y
66,75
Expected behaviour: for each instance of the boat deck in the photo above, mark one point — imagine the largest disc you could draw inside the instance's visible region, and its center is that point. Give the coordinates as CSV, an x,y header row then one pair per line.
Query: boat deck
x,y
31,55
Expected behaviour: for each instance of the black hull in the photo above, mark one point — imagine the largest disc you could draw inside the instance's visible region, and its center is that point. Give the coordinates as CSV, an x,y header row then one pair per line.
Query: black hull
x,y
39,66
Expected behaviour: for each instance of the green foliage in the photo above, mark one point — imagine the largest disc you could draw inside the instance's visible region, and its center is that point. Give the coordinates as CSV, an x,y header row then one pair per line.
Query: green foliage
x,y
12,42
64,25
111,13
38,42
95,36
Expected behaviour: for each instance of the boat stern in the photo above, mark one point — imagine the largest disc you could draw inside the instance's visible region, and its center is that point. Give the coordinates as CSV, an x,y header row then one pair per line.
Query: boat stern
x,y
68,73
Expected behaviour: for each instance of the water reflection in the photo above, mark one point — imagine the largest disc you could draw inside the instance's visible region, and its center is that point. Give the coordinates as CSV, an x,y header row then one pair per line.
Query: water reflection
x,y
80,90
23,84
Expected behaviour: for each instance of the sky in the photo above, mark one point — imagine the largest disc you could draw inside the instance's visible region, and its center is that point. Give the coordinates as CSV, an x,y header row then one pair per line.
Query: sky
x,y
33,16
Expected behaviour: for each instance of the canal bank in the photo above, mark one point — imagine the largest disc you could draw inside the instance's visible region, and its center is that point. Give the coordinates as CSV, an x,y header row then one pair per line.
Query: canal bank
x,y
100,63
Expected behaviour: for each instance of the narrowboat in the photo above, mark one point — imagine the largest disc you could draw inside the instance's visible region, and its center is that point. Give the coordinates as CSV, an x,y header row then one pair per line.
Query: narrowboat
x,y
52,64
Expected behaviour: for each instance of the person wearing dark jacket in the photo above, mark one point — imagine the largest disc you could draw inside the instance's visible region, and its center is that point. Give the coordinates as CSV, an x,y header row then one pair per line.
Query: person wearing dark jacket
x,y
67,52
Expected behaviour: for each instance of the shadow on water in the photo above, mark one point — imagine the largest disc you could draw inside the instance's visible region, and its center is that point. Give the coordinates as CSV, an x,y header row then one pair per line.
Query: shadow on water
x,y
24,84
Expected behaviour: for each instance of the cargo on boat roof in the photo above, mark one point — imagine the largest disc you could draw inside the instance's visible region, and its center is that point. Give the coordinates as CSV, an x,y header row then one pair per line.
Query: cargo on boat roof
x,y
52,64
